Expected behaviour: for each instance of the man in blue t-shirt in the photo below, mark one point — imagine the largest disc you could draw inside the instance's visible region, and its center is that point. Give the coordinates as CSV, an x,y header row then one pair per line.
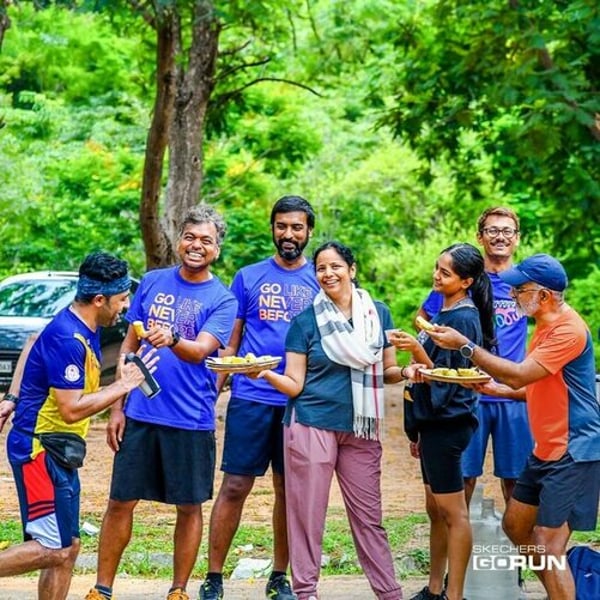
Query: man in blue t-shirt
x,y
55,392
269,293
165,445
504,418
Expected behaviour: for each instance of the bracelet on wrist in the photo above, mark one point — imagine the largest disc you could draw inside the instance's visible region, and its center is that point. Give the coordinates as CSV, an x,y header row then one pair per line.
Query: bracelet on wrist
x,y
11,398
403,373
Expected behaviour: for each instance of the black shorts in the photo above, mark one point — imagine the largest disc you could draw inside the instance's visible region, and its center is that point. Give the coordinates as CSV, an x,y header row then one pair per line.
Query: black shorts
x,y
253,438
441,446
165,464
564,491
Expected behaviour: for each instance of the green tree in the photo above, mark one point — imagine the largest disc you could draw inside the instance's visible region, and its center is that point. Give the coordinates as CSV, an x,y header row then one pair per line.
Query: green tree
x,y
511,89
205,52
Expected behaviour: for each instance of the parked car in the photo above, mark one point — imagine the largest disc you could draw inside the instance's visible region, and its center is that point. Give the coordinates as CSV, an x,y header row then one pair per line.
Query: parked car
x,y
28,302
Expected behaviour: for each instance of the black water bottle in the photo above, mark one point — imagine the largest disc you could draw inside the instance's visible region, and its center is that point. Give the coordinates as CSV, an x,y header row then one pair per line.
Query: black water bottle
x,y
149,386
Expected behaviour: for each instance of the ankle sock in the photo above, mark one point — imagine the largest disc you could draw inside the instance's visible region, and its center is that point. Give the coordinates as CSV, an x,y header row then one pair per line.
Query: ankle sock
x,y
215,578
105,591
276,574
177,587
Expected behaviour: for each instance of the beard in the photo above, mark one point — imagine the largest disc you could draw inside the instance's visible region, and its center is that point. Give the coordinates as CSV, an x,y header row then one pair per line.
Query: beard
x,y
290,254
527,309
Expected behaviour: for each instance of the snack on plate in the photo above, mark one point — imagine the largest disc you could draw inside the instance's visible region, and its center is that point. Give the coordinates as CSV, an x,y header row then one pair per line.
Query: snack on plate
x,y
244,360
139,329
468,372
424,324
444,372
447,372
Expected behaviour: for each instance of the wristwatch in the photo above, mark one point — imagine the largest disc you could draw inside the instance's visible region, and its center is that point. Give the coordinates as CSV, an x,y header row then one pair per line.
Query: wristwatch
x,y
11,398
175,336
468,349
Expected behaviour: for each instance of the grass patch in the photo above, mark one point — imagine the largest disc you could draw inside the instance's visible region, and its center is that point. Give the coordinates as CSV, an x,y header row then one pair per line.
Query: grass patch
x,y
151,547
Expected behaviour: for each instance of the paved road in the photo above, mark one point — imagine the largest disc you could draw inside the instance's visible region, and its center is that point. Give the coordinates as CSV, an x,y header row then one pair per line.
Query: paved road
x,y
331,588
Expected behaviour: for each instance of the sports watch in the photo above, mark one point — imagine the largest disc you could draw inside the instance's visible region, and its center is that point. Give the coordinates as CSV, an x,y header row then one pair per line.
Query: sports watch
x,y
175,336
467,349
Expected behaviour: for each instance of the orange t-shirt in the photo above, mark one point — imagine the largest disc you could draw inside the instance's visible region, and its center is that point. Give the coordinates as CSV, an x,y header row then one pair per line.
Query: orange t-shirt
x,y
564,414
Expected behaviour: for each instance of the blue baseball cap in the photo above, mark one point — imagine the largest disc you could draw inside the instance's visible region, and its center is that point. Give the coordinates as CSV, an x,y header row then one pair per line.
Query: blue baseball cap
x,y
540,268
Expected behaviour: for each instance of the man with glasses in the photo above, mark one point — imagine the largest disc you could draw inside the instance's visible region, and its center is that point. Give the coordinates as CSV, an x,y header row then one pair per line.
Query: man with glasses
x,y
503,417
559,489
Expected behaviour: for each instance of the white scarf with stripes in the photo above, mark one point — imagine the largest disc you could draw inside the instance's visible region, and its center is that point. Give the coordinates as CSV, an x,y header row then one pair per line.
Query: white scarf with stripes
x,y
360,348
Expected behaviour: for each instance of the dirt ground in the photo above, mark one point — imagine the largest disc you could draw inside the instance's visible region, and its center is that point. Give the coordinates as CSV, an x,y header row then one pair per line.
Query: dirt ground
x,y
401,490
401,484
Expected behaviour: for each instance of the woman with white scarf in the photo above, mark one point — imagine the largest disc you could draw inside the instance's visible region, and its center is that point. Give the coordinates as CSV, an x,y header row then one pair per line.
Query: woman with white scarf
x,y
337,360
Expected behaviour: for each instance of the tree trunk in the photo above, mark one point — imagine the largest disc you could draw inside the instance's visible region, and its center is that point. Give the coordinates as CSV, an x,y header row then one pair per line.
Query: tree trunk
x,y
184,87
156,242
194,88
4,20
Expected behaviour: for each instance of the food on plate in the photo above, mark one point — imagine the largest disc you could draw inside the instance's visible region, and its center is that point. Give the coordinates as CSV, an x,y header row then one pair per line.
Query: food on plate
x,y
424,324
455,373
139,329
468,372
244,360
444,372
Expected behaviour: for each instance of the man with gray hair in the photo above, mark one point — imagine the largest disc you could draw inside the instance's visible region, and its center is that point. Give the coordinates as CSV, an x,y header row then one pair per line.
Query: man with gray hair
x,y
559,488
165,448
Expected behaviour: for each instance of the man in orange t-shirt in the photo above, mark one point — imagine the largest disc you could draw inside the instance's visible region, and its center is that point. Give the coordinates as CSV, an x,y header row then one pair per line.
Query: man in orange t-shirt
x,y
559,488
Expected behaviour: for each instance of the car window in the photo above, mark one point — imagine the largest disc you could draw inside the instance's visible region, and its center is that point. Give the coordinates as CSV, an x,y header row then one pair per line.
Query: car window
x,y
36,298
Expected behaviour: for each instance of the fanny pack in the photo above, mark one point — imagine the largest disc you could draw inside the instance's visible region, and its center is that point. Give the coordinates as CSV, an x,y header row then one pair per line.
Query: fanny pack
x,y
68,449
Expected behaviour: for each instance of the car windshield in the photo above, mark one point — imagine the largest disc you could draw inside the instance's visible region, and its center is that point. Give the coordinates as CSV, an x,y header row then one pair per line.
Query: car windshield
x,y
36,298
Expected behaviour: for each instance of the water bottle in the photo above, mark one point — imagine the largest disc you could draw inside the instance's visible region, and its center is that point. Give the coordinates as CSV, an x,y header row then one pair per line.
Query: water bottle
x,y
490,575
149,387
476,500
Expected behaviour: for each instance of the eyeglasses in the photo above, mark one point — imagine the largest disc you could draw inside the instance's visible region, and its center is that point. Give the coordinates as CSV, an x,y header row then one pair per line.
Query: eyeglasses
x,y
507,232
519,291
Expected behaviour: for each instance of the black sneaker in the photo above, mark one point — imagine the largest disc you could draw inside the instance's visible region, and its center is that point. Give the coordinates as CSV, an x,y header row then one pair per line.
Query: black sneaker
x,y
279,588
210,590
425,594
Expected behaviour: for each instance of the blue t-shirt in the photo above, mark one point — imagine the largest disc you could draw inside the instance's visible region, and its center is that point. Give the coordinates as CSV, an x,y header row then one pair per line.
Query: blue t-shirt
x,y
66,356
269,297
511,330
325,401
188,390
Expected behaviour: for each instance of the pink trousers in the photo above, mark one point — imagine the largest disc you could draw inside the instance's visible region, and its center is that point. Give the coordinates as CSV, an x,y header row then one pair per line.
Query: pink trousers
x,y
311,457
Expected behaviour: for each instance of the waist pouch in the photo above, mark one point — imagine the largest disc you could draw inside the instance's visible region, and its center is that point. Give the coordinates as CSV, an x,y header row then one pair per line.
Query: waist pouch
x,y
68,449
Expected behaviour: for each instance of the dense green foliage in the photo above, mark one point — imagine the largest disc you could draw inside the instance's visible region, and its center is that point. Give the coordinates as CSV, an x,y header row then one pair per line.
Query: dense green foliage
x,y
477,122
514,86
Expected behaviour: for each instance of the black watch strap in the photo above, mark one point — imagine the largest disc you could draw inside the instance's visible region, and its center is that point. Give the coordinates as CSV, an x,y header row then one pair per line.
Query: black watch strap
x,y
176,337
11,398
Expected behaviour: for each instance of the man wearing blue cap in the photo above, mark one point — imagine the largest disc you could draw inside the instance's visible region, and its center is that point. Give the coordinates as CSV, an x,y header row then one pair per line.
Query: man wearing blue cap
x,y
59,392
559,488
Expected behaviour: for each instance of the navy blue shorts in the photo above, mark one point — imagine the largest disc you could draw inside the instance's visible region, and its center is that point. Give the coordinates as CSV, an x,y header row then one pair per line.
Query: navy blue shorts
x,y
507,424
49,498
253,438
164,464
441,446
563,490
